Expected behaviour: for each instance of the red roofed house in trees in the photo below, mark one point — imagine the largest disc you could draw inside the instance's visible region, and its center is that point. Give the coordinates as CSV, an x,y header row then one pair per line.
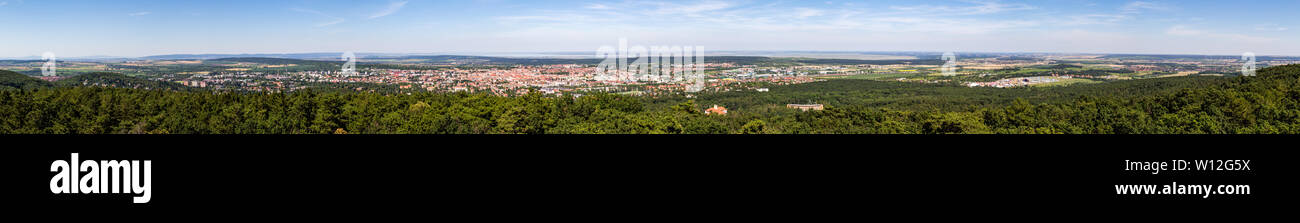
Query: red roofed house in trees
x,y
716,110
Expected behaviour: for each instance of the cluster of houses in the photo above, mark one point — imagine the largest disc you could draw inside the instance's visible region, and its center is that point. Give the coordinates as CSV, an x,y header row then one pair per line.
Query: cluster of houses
x,y
806,107
1017,82
719,110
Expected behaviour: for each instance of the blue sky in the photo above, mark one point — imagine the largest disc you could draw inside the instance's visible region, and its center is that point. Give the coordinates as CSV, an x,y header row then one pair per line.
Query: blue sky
x,y
75,28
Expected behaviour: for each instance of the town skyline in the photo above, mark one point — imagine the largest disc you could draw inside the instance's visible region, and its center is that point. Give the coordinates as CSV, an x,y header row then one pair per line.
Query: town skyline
x,y
144,28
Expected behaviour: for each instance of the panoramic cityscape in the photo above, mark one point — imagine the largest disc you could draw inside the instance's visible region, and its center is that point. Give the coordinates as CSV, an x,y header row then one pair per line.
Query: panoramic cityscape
x,y
650,67
780,110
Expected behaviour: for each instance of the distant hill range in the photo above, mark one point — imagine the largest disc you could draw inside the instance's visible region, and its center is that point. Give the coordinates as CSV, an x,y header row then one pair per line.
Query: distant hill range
x,y
10,80
220,56
275,61
1191,57
20,61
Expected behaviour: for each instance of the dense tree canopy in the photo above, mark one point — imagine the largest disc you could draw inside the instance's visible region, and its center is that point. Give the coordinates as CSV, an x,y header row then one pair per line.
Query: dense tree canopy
x,y
1267,103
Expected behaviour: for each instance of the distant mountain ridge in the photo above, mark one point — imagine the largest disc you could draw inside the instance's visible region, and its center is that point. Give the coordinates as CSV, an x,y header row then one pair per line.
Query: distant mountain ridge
x,y
220,56
1193,57
274,61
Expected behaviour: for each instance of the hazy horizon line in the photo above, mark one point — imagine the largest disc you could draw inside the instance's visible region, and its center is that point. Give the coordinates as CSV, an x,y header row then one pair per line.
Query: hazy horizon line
x,y
592,53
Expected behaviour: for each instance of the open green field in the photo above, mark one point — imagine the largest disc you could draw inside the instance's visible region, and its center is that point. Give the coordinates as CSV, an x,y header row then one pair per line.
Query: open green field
x,y
878,76
1068,82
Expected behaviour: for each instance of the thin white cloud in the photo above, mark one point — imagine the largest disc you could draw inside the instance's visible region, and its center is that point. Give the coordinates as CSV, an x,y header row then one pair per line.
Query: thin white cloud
x,y
333,19
1270,28
560,18
597,6
980,8
1140,6
1096,19
710,15
15,3
139,14
688,9
804,13
1185,31
307,11
1007,26
330,23
392,8
1182,30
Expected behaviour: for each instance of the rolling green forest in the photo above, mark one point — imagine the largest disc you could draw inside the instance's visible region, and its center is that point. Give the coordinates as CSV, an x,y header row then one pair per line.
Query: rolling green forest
x,y
104,103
